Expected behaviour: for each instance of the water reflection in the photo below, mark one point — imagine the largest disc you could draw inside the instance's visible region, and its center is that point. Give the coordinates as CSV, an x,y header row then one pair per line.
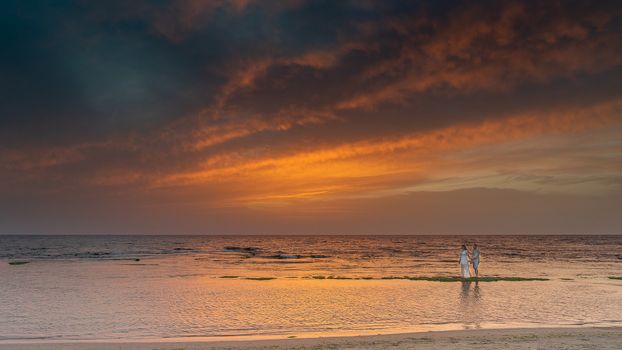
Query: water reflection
x,y
466,290
119,301
476,292
182,276
470,302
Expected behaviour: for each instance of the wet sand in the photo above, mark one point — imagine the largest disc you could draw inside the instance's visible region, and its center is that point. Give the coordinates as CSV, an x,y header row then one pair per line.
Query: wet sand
x,y
506,339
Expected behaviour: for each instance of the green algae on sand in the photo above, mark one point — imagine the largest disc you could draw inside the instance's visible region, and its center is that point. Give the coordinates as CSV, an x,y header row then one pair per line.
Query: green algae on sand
x,y
433,278
472,279
320,277
412,278
480,279
18,262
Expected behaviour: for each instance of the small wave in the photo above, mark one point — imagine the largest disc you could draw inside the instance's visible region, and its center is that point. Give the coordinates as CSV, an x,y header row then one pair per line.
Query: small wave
x,y
187,275
142,264
47,254
279,261
284,256
236,249
295,256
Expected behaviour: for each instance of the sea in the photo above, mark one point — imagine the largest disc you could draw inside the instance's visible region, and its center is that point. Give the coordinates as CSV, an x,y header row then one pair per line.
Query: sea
x,y
82,288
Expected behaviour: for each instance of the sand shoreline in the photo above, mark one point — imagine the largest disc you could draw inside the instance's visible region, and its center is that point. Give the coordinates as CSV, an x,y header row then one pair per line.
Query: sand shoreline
x,y
516,338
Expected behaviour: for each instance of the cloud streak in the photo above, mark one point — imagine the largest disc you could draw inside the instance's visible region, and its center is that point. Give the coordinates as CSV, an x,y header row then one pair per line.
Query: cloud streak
x,y
421,153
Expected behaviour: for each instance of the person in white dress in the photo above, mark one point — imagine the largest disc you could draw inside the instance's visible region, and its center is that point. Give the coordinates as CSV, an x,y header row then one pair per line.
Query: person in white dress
x,y
475,259
464,263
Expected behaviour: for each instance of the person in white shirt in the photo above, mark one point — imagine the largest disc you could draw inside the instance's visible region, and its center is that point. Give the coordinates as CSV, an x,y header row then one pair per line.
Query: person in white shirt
x,y
464,263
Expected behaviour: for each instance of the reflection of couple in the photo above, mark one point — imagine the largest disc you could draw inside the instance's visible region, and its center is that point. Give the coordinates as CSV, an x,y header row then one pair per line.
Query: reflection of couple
x,y
465,258
470,304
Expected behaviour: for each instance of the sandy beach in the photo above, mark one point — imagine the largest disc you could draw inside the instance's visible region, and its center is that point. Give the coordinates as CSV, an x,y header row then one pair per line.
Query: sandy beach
x,y
518,339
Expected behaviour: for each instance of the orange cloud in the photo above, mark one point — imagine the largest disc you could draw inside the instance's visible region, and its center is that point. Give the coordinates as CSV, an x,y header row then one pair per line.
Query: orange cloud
x,y
212,127
330,171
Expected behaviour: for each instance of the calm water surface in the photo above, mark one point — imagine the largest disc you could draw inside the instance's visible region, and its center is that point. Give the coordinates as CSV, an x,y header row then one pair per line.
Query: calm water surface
x,y
93,287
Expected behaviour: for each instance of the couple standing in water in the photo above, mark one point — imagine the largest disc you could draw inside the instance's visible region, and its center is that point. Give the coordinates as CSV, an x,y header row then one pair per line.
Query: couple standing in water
x,y
465,258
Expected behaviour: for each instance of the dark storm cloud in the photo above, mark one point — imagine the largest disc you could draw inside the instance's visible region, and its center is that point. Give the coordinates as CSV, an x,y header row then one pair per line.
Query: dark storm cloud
x,y
84,68
69,75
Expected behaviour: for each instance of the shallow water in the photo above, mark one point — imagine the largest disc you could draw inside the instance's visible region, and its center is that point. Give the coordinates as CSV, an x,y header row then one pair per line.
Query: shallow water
x,y
85,287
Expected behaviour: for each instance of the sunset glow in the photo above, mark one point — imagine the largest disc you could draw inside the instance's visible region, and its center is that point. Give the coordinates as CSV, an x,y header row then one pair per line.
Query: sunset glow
x,y
188,114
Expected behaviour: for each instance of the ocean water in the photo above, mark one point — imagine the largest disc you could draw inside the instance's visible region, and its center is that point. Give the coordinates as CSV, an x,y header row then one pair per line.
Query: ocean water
x,y
83,288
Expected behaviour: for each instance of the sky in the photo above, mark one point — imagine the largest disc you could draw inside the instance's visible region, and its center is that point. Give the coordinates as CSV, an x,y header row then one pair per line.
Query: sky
x,y
310,117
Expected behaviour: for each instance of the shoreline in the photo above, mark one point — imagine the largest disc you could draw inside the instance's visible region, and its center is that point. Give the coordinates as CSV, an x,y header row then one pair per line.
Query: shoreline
x,y
514,338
